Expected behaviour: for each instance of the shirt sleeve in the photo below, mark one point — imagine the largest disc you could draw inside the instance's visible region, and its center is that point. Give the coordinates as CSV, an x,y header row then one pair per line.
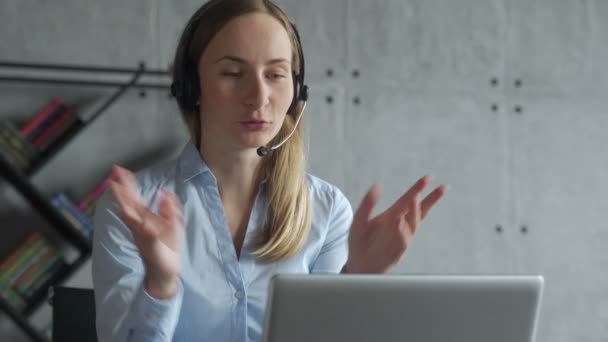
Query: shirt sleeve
x,y
334,251
124,310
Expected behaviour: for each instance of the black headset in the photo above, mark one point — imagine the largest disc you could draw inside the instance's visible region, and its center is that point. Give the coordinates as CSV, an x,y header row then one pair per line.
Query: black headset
x,y
185,86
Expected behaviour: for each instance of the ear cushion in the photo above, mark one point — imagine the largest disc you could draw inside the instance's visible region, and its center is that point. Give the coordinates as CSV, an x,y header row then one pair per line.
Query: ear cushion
x,y
296,93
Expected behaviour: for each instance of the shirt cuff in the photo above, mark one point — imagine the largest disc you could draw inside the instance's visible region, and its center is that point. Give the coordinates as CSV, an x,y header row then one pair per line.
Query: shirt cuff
x,y
157,317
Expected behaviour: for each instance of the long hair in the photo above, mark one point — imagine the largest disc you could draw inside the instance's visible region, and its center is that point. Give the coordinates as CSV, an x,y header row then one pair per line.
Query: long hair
x,y
289,211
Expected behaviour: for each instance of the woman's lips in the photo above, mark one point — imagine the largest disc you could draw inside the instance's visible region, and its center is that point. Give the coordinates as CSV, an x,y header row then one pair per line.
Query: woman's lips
x,y
255,125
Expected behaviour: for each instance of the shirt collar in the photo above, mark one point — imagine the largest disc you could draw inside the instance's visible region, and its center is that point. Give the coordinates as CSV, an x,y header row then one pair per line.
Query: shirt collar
x,y
191,164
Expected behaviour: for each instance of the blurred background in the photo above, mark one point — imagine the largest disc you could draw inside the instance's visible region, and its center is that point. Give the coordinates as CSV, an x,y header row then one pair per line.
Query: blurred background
x,y
504,100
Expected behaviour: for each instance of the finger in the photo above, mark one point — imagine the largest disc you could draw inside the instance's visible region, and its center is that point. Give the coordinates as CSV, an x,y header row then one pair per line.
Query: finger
x,y
151,226
413,216
406,233
126,178
367,205
139,219
128,206
401,206
170,209
431,200
169,215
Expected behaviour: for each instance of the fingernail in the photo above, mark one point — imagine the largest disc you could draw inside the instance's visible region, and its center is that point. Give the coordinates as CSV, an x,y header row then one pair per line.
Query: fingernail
x,y
377,188
116,169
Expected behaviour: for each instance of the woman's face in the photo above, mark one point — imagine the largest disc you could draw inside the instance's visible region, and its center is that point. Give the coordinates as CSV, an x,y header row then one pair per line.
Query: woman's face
x,y
246,82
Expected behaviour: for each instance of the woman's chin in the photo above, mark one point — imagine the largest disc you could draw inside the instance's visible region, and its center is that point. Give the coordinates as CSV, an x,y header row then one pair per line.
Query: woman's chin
x,y
251,141
253,144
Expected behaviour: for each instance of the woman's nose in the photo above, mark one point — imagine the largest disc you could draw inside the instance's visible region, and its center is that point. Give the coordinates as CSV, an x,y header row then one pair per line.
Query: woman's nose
x,y
257,93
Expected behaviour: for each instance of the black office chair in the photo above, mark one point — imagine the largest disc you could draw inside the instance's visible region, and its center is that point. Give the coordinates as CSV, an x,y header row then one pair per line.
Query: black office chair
x,y
73,314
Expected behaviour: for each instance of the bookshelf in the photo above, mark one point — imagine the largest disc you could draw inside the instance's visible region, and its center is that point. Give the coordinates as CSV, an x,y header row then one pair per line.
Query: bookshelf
x,y
19,179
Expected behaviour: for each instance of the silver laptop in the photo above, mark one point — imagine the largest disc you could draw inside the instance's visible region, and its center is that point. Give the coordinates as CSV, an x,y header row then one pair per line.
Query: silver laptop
x,y
404,308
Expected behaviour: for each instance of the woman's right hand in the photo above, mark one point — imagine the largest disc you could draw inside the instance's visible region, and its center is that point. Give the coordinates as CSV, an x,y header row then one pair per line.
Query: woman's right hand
x,y
158,237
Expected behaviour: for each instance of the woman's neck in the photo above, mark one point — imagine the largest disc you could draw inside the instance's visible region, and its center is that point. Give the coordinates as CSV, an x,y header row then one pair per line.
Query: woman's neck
x,y
238,173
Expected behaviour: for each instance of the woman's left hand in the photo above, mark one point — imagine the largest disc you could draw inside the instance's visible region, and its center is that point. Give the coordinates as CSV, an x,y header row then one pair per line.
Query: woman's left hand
x,y
377,244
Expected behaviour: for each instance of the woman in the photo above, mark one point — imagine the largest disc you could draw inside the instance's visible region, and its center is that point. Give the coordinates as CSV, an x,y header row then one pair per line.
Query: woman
x,y
184,251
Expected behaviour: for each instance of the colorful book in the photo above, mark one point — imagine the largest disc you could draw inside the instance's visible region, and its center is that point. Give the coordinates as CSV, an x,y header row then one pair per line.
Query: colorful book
x,y
44,124
61,201
23,252
34,254
40,272
28,127
68,215
7,277
56,134
44,275
27,276
12,156
14,147
63,121
14,139
41,267
25,243
94,194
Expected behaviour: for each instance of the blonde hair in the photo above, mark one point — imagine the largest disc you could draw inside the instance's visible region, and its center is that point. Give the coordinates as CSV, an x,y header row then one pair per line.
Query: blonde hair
x,y
289,210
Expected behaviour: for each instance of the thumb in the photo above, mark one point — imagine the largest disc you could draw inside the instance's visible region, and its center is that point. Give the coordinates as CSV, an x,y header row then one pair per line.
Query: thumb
x,y
367,205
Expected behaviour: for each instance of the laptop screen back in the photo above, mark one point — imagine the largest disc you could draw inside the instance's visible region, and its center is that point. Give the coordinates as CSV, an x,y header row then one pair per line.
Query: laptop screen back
x,y
359,308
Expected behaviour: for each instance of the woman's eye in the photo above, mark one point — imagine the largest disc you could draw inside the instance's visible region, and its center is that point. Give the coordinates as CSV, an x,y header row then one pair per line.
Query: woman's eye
x,y
277,76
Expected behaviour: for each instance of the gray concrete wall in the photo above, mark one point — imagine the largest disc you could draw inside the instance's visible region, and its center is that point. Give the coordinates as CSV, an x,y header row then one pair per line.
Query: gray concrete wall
x,y
533,165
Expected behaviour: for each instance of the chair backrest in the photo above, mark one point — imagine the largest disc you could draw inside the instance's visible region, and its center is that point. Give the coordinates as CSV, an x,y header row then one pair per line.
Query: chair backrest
x,y
73,314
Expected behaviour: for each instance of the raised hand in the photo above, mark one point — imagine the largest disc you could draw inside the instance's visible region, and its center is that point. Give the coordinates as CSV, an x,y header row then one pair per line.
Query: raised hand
x,y
158,237
377,244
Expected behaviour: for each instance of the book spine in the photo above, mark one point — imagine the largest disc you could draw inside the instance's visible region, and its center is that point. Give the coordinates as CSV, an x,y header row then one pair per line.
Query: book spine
x,y
44,275
34,254
58,133
54,127
42,126
16,158
68,215
61,201
40,116
12,135
48,263
8,261
6,277
14,148
24,253
27,276
96,192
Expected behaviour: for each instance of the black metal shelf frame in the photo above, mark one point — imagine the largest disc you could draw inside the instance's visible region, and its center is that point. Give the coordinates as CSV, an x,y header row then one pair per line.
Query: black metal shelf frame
x,y
81,81
20,179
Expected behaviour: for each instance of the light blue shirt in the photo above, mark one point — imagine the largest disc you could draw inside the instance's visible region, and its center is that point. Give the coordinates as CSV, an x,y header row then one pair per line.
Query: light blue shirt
x,y
221,298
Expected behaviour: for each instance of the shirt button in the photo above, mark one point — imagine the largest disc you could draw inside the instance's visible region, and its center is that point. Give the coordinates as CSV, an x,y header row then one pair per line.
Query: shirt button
x,y
239,295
